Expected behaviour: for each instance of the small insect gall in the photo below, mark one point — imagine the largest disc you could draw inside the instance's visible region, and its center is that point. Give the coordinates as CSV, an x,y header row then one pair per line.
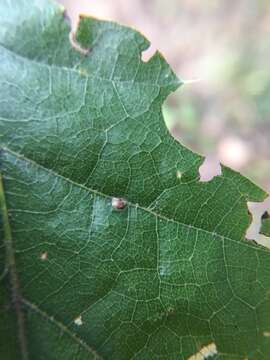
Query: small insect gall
x,y
118,203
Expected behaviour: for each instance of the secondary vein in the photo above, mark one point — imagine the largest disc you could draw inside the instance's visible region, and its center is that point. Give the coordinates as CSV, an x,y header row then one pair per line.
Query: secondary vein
x,y
138,206
62,327
11,267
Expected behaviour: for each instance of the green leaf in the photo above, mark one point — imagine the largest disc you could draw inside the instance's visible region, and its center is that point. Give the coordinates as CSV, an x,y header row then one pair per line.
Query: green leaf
x,y
164,275
265,227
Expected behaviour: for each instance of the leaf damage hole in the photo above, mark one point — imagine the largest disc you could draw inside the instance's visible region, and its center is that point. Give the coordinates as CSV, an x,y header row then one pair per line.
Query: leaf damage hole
x,y
119,203
78,320
258,212
148,53
44,256
210,168
76,45
205,352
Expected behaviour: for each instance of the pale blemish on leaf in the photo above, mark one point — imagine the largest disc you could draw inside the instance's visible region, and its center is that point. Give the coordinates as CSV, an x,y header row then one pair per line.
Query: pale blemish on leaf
x,y
78,320
178,174
44,256
266,334
205,352
83,72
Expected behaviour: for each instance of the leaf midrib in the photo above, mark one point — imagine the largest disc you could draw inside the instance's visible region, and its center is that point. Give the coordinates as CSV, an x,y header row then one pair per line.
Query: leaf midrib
x,y
129,203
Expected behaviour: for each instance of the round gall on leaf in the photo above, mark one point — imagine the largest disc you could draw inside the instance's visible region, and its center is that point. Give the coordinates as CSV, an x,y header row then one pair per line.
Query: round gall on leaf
x,y
119,203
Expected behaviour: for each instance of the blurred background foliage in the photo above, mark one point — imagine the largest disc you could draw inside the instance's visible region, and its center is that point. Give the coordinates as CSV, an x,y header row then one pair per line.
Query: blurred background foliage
x,y
224,46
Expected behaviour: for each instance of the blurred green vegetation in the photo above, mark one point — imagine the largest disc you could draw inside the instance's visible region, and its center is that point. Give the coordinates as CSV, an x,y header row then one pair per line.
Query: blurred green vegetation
x,y
227,112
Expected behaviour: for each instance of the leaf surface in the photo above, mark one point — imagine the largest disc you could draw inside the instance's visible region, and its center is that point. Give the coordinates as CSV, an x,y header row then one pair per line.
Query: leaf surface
x,y
265,227
163,277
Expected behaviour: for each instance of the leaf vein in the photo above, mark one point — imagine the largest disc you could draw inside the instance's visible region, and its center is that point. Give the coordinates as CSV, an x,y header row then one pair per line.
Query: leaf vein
x,y
62,327
146,209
